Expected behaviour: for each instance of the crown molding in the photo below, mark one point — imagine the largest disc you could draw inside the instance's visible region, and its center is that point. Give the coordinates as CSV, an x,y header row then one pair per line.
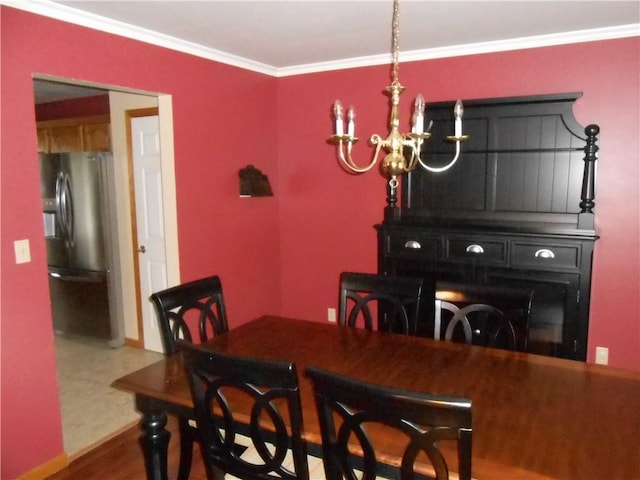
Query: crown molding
x,y
580,36
96,22
71,15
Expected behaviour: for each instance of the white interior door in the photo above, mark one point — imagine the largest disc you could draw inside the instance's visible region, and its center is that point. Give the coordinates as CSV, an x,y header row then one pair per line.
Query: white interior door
x,y
145,139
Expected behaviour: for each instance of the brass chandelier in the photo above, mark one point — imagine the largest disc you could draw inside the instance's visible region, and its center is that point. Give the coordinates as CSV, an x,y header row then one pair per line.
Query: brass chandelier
x,y
396,143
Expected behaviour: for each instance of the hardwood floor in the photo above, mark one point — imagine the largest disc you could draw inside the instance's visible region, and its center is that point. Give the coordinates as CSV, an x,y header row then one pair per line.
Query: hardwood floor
x,y
120,458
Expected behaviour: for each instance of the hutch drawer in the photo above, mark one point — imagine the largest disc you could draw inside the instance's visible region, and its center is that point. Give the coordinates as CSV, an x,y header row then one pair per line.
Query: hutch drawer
x,y
481,251
545,256
414,246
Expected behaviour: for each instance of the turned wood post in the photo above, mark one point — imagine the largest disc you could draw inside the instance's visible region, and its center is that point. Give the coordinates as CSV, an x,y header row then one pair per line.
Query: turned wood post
x,y
588,178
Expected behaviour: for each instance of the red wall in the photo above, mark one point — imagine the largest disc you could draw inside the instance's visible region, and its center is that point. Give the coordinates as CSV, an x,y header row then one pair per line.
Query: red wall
x,y
327,216
83,107
280,254
224,118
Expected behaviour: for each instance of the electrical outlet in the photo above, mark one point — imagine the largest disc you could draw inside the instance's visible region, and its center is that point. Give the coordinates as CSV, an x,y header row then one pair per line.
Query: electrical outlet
x,y
602,355
22,251
331,315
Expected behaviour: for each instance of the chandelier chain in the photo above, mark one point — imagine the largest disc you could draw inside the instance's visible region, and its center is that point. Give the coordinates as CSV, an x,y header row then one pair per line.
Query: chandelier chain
x,y
395,47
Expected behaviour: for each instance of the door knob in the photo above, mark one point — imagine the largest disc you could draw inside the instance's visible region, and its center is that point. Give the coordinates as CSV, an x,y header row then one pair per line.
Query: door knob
x,y
142,249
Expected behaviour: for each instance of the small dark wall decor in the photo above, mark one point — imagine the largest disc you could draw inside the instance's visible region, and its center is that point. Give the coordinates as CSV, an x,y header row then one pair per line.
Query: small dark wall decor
x,y
253,183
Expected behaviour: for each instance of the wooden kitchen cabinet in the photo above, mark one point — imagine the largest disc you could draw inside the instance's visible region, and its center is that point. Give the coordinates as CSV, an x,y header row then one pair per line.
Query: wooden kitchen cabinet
x,y
96,136
75,135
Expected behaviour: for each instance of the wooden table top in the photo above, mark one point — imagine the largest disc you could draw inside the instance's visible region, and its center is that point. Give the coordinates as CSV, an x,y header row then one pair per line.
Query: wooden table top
x,y
534,417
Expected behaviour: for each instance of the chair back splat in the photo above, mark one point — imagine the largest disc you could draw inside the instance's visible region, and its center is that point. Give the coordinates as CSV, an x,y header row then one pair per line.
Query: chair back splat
x,y
270,391
394,301
496,317
189,311
350,412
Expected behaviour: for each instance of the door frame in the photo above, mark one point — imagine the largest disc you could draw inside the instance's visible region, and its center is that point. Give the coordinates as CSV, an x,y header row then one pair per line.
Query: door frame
x,y
130,302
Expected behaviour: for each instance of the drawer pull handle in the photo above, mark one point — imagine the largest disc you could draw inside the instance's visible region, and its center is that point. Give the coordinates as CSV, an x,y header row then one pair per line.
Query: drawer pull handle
x,y
477,249
544,253
412,244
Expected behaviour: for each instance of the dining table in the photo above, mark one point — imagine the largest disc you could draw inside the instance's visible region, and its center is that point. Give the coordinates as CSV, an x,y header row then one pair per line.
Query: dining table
x,y
534,417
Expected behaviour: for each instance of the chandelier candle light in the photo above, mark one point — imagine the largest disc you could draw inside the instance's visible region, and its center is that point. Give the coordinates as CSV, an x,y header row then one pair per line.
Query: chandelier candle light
x,y
394,162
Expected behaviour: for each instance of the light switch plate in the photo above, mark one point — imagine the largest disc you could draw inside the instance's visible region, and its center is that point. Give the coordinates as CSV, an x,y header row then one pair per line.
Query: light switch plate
x,y
22,251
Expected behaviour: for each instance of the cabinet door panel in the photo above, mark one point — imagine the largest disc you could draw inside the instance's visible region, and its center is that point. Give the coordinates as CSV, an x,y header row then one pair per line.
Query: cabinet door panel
x,y
43,140
452,192
554,310
97,137
430,273
65,139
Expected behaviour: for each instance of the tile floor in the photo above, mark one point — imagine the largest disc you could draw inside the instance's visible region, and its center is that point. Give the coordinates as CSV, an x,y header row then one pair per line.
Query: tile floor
x,y
91,409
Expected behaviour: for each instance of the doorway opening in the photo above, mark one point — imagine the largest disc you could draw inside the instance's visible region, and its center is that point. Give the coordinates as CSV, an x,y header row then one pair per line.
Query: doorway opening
x,y
126,338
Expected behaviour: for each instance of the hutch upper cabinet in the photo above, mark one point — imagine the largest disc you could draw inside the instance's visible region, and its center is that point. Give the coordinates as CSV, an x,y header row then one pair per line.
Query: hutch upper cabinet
x,y
515,210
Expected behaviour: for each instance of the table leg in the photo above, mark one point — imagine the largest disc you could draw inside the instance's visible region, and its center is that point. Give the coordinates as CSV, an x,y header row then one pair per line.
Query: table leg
x,y
154,439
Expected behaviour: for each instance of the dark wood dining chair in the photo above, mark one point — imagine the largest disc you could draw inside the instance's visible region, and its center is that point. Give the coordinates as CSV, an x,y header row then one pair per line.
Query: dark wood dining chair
x,y
349,410
393,300
270,391
190,311
496,317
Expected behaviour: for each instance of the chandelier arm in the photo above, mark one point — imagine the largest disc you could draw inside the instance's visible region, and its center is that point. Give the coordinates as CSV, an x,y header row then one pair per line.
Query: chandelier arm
x,y
415,146
446,167
348,161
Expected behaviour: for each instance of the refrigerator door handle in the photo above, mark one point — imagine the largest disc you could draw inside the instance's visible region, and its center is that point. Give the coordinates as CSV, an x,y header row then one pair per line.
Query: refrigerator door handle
x,y
79,276
64,207
60,215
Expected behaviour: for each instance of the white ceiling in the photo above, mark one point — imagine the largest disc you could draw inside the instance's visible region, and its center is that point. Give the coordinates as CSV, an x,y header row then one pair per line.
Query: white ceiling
x,y
289,37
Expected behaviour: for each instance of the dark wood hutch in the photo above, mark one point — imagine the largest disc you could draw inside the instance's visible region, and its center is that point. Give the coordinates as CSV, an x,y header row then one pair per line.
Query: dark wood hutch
x,y
516,210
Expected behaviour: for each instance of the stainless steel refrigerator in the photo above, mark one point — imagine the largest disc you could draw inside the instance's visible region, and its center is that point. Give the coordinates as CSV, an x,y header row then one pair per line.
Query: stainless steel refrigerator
x,y
76,219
